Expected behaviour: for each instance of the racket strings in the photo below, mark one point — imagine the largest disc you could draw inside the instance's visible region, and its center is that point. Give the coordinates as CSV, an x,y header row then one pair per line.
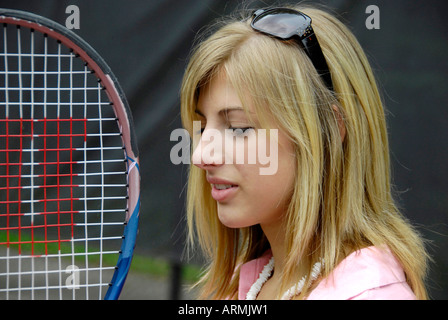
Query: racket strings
x,y
63,186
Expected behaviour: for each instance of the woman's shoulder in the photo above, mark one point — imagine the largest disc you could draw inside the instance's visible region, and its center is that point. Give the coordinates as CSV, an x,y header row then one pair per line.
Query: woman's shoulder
x,y
368,273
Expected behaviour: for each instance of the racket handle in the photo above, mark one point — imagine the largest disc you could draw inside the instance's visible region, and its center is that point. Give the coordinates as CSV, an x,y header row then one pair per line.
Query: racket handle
x,y
125,258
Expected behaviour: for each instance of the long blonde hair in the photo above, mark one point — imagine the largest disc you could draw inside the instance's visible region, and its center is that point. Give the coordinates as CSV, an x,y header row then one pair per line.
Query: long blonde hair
x,y
342,200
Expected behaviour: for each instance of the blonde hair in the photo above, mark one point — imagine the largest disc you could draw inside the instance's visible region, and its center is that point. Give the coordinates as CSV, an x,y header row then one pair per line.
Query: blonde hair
x,y
342,200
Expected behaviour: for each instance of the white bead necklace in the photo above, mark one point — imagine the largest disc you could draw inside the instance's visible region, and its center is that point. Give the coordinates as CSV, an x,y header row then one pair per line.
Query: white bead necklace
x,y
289,294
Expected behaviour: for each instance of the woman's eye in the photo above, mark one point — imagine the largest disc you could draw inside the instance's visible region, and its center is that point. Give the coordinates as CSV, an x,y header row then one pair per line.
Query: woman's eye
x,y
232,130
241,131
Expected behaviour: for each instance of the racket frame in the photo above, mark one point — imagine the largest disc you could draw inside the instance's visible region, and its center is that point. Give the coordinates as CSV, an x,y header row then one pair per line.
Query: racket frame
x,y
123,113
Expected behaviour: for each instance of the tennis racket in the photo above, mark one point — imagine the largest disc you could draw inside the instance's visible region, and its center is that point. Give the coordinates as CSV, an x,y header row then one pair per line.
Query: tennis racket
x,y
69,170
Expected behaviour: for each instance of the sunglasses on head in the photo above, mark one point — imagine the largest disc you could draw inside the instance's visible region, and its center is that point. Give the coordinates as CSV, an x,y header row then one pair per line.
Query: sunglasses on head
x,y
286,24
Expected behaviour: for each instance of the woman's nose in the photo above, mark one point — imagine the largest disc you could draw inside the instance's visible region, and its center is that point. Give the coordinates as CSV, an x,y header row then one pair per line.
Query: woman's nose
x,y
208,149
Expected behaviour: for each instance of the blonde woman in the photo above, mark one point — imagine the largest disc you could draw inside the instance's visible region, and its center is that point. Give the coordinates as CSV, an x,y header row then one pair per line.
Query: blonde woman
x,y
323,224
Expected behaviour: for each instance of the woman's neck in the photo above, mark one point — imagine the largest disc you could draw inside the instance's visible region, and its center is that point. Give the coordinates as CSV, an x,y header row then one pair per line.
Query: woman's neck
x,y
275,234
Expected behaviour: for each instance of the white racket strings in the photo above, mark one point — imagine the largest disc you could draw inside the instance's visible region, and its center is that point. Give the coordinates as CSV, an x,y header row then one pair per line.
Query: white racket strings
x,y
63,184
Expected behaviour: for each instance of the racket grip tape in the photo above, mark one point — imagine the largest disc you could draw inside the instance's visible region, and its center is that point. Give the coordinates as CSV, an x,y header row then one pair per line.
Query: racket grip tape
x,y
125,258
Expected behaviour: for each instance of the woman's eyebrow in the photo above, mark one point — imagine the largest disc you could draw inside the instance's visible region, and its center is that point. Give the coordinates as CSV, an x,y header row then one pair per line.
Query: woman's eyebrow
x,y
224,111
230,109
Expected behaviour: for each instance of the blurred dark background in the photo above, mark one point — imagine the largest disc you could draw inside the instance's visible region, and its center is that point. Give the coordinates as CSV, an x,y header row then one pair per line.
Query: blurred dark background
x,y
147,44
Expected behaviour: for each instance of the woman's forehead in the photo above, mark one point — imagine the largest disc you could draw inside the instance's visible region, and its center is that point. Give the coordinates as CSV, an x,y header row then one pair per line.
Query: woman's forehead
x,y
219,95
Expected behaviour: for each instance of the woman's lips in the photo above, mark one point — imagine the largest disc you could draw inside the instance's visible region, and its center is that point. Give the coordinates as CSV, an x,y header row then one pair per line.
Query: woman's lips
x,y
223,194
222,189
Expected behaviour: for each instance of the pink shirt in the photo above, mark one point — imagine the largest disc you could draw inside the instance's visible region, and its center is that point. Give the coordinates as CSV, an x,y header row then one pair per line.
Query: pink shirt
x,y
367,274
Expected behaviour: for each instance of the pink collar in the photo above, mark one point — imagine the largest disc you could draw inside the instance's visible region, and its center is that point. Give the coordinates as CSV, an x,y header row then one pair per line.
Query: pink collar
x,y
365,269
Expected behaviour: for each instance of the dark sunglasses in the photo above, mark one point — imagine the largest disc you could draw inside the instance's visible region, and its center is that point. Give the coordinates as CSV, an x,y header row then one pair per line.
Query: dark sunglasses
x,y
286,24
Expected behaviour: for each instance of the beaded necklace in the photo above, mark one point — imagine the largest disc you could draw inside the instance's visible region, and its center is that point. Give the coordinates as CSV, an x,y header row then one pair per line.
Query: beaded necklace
x,y
289,294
